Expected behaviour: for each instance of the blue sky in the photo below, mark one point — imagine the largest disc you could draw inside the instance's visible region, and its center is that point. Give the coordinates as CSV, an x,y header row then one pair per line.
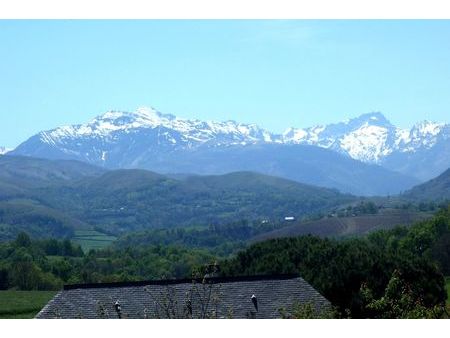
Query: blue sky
x,y
274,73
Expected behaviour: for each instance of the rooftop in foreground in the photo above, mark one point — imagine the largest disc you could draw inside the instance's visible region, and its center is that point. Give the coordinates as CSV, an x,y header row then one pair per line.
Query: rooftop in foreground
x,y
214,297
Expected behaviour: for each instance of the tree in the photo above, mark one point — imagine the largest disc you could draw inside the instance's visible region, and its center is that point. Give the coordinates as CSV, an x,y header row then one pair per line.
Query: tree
x,y
23,240
67,248
399,301
24,273
51,247
201,300
4,279
308,311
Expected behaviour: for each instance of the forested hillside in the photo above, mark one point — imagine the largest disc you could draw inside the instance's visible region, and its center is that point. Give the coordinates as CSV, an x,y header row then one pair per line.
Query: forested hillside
x,y
56,198
29,172
437,189
135,199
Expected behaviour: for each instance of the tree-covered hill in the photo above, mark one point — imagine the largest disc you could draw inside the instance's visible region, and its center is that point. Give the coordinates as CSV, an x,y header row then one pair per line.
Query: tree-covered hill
x,y
128,200
29,172
61,196
437,189
36,219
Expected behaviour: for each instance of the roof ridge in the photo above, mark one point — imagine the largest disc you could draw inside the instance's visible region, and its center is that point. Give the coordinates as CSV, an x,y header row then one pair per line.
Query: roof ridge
x,y
181,281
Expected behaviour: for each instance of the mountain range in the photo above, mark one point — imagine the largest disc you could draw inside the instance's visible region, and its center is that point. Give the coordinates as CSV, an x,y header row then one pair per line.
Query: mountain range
x,y
365,155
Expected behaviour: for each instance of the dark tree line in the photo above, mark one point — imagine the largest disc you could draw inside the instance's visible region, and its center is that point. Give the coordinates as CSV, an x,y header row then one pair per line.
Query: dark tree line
x,y
27,264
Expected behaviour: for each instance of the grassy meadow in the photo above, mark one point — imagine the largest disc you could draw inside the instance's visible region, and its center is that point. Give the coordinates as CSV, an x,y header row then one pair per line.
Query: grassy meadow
x,y
23,304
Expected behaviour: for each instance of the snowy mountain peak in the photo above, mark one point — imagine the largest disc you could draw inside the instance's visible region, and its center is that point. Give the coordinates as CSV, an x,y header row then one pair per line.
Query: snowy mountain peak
x,y
369,137
372,118
146,124
142,117
362,137
4,150
147,111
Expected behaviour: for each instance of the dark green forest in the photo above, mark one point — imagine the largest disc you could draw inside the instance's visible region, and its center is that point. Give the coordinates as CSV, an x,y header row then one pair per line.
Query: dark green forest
x,y
27,264
391,273
396,273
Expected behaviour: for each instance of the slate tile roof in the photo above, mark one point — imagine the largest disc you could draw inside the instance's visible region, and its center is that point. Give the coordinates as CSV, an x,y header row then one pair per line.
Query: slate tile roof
x,y
208,298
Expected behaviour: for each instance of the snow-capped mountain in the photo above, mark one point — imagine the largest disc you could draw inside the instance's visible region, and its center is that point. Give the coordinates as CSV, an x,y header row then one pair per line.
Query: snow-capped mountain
x,y
145,137
4,150
366,138
176,130
371,137
117,139
171,129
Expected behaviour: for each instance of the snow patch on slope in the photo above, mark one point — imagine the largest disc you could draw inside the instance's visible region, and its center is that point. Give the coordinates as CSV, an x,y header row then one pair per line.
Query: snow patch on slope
x,y
368,138
4,150
191,131
367,143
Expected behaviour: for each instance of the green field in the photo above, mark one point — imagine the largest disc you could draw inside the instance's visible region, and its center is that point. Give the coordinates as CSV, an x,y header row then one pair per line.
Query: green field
x,y
92,239
23,304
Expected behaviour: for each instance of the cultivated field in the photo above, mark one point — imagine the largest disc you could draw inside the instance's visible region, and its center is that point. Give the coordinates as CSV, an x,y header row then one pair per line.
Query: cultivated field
x,y
92,239
347,226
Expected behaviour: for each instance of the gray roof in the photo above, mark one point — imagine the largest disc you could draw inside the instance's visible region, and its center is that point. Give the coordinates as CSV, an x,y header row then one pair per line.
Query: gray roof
x,y
207,298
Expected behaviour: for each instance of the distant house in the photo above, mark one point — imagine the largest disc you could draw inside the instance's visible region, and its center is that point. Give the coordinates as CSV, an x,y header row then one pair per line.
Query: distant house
x,y
215,297
289,218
